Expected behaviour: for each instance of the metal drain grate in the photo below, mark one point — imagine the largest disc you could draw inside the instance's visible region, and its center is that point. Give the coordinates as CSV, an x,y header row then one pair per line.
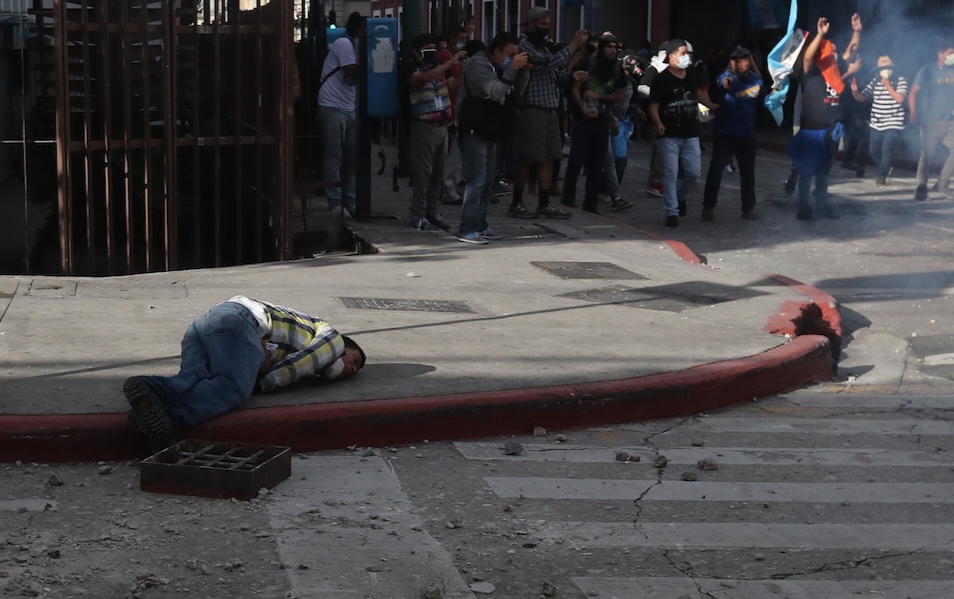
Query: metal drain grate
x,y
211,469
667,298
587,270
406,305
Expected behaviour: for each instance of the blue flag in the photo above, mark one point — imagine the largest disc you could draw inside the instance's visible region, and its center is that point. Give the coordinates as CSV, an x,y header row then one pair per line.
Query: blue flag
x,y
781,61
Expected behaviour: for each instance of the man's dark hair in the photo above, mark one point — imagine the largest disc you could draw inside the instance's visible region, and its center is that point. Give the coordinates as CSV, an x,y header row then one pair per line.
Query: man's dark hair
x,y
354,24
474,46
502,40
350,343
422,39
460,30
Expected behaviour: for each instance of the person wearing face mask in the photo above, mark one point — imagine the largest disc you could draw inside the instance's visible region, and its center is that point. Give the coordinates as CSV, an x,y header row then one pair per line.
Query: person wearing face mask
x,y
931,103
887,93
430,114
674,100
452,165
539,139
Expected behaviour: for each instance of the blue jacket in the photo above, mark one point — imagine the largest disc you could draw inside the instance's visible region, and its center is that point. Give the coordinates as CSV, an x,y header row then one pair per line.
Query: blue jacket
x,y
736,113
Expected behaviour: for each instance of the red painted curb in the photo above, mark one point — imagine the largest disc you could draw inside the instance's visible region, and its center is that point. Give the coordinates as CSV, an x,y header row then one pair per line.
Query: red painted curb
x,y
819,316
85,437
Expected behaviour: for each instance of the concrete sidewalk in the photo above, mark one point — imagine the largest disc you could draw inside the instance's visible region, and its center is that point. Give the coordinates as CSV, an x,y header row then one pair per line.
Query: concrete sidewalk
x,y
560,324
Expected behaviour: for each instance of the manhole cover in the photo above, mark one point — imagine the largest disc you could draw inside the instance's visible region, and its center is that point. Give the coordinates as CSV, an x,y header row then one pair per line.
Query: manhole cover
x,y
669,298
587,270
406,305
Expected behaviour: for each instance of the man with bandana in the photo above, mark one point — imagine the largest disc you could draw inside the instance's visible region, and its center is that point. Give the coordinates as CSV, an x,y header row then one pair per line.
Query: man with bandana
x,y
813,148
594,91
931,102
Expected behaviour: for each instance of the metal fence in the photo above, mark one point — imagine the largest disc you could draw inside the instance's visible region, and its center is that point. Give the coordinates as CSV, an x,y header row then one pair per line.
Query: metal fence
x,y
173,130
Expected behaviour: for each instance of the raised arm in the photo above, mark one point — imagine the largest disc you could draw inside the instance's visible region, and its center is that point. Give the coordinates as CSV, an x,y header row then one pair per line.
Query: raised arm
x,y
815,44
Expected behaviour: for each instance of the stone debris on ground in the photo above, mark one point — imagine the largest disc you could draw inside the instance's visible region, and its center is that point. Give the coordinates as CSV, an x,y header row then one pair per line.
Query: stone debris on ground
x,y
708,464
483,588
698,442
689,476
661,461
539,431
549,589
512,447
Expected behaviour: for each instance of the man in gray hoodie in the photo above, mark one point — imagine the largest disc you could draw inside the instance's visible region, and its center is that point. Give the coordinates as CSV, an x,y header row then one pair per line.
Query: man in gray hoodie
x,y
489,76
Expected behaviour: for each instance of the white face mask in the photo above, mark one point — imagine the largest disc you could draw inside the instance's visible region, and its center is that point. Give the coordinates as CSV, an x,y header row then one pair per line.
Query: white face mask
x,y
684,61
949,61
886,73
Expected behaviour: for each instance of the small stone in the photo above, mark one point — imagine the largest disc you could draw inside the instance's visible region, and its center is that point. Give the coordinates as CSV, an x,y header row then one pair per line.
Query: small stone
x,y
661,461
707,464
549,589
689,476
622,456
54,481
367,452
539,431
561,438
759,557
512,447
508,508
432,593
484,588
698,442
105,470
53,553
635,458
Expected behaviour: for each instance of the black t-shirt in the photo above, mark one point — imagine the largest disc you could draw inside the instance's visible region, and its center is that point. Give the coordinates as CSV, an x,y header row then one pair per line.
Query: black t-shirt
x,y
607,83
821,106
678,103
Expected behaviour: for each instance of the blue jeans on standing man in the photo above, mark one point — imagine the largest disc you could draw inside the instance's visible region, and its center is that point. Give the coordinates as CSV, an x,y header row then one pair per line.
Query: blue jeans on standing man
x,y
479,159
677,152
881,146
221,354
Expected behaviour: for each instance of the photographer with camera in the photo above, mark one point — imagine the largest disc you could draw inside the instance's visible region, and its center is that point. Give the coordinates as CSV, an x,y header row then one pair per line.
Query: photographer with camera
x,y
538,130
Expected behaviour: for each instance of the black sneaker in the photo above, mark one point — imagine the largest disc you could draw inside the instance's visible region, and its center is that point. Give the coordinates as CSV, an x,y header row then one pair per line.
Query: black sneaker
x,y
438,222
790,185
552,212
672,220
708,214
518,210
618,203
148,416
683,208
920,193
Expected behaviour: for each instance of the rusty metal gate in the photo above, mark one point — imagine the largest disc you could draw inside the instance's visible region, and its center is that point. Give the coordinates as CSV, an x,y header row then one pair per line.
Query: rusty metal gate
x,y
173,129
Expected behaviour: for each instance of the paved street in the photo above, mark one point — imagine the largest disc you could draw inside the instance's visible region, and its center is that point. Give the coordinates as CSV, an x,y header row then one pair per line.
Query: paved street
x,y
839,490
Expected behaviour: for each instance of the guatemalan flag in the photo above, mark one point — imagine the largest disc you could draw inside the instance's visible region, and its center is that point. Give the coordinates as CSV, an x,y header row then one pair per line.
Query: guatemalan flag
x,y
781,61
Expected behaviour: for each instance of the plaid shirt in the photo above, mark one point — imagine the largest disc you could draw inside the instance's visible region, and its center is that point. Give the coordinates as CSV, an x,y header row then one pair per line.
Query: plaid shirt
x,y
543,90
305,346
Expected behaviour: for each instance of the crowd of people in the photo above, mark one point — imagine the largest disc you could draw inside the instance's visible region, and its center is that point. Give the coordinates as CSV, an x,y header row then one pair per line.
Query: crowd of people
x,y
497,119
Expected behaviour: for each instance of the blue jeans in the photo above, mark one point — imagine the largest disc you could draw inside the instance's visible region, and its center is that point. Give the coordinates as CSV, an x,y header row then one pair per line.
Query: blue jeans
x,y
340,129
588,148
679,152
479,159
882,147
221,355
821,182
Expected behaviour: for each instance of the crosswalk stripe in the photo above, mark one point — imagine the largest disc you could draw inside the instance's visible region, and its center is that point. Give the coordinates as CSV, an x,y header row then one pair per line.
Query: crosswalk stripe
x,y
778,456
721,535
653,490
668,588
831,426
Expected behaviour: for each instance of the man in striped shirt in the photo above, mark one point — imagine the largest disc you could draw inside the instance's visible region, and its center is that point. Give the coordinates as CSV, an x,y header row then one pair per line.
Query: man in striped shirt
x,y
235,348
887,93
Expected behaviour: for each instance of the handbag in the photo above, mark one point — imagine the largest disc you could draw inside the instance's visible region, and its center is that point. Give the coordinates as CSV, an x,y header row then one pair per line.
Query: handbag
x,y
490,120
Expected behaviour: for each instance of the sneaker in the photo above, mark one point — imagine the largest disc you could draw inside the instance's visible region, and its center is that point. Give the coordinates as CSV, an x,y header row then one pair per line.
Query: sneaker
x,y
730,169
438,222
490,234
790,185
617,204
148,416
552,212
473,237
805,214
920,193
672,220
500,188
708,213
421,224
880,182
655,190
750,215
683,208
520,211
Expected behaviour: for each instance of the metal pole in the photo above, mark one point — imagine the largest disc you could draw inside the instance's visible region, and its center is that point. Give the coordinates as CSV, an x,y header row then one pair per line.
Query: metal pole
x,y
411,26
363,162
